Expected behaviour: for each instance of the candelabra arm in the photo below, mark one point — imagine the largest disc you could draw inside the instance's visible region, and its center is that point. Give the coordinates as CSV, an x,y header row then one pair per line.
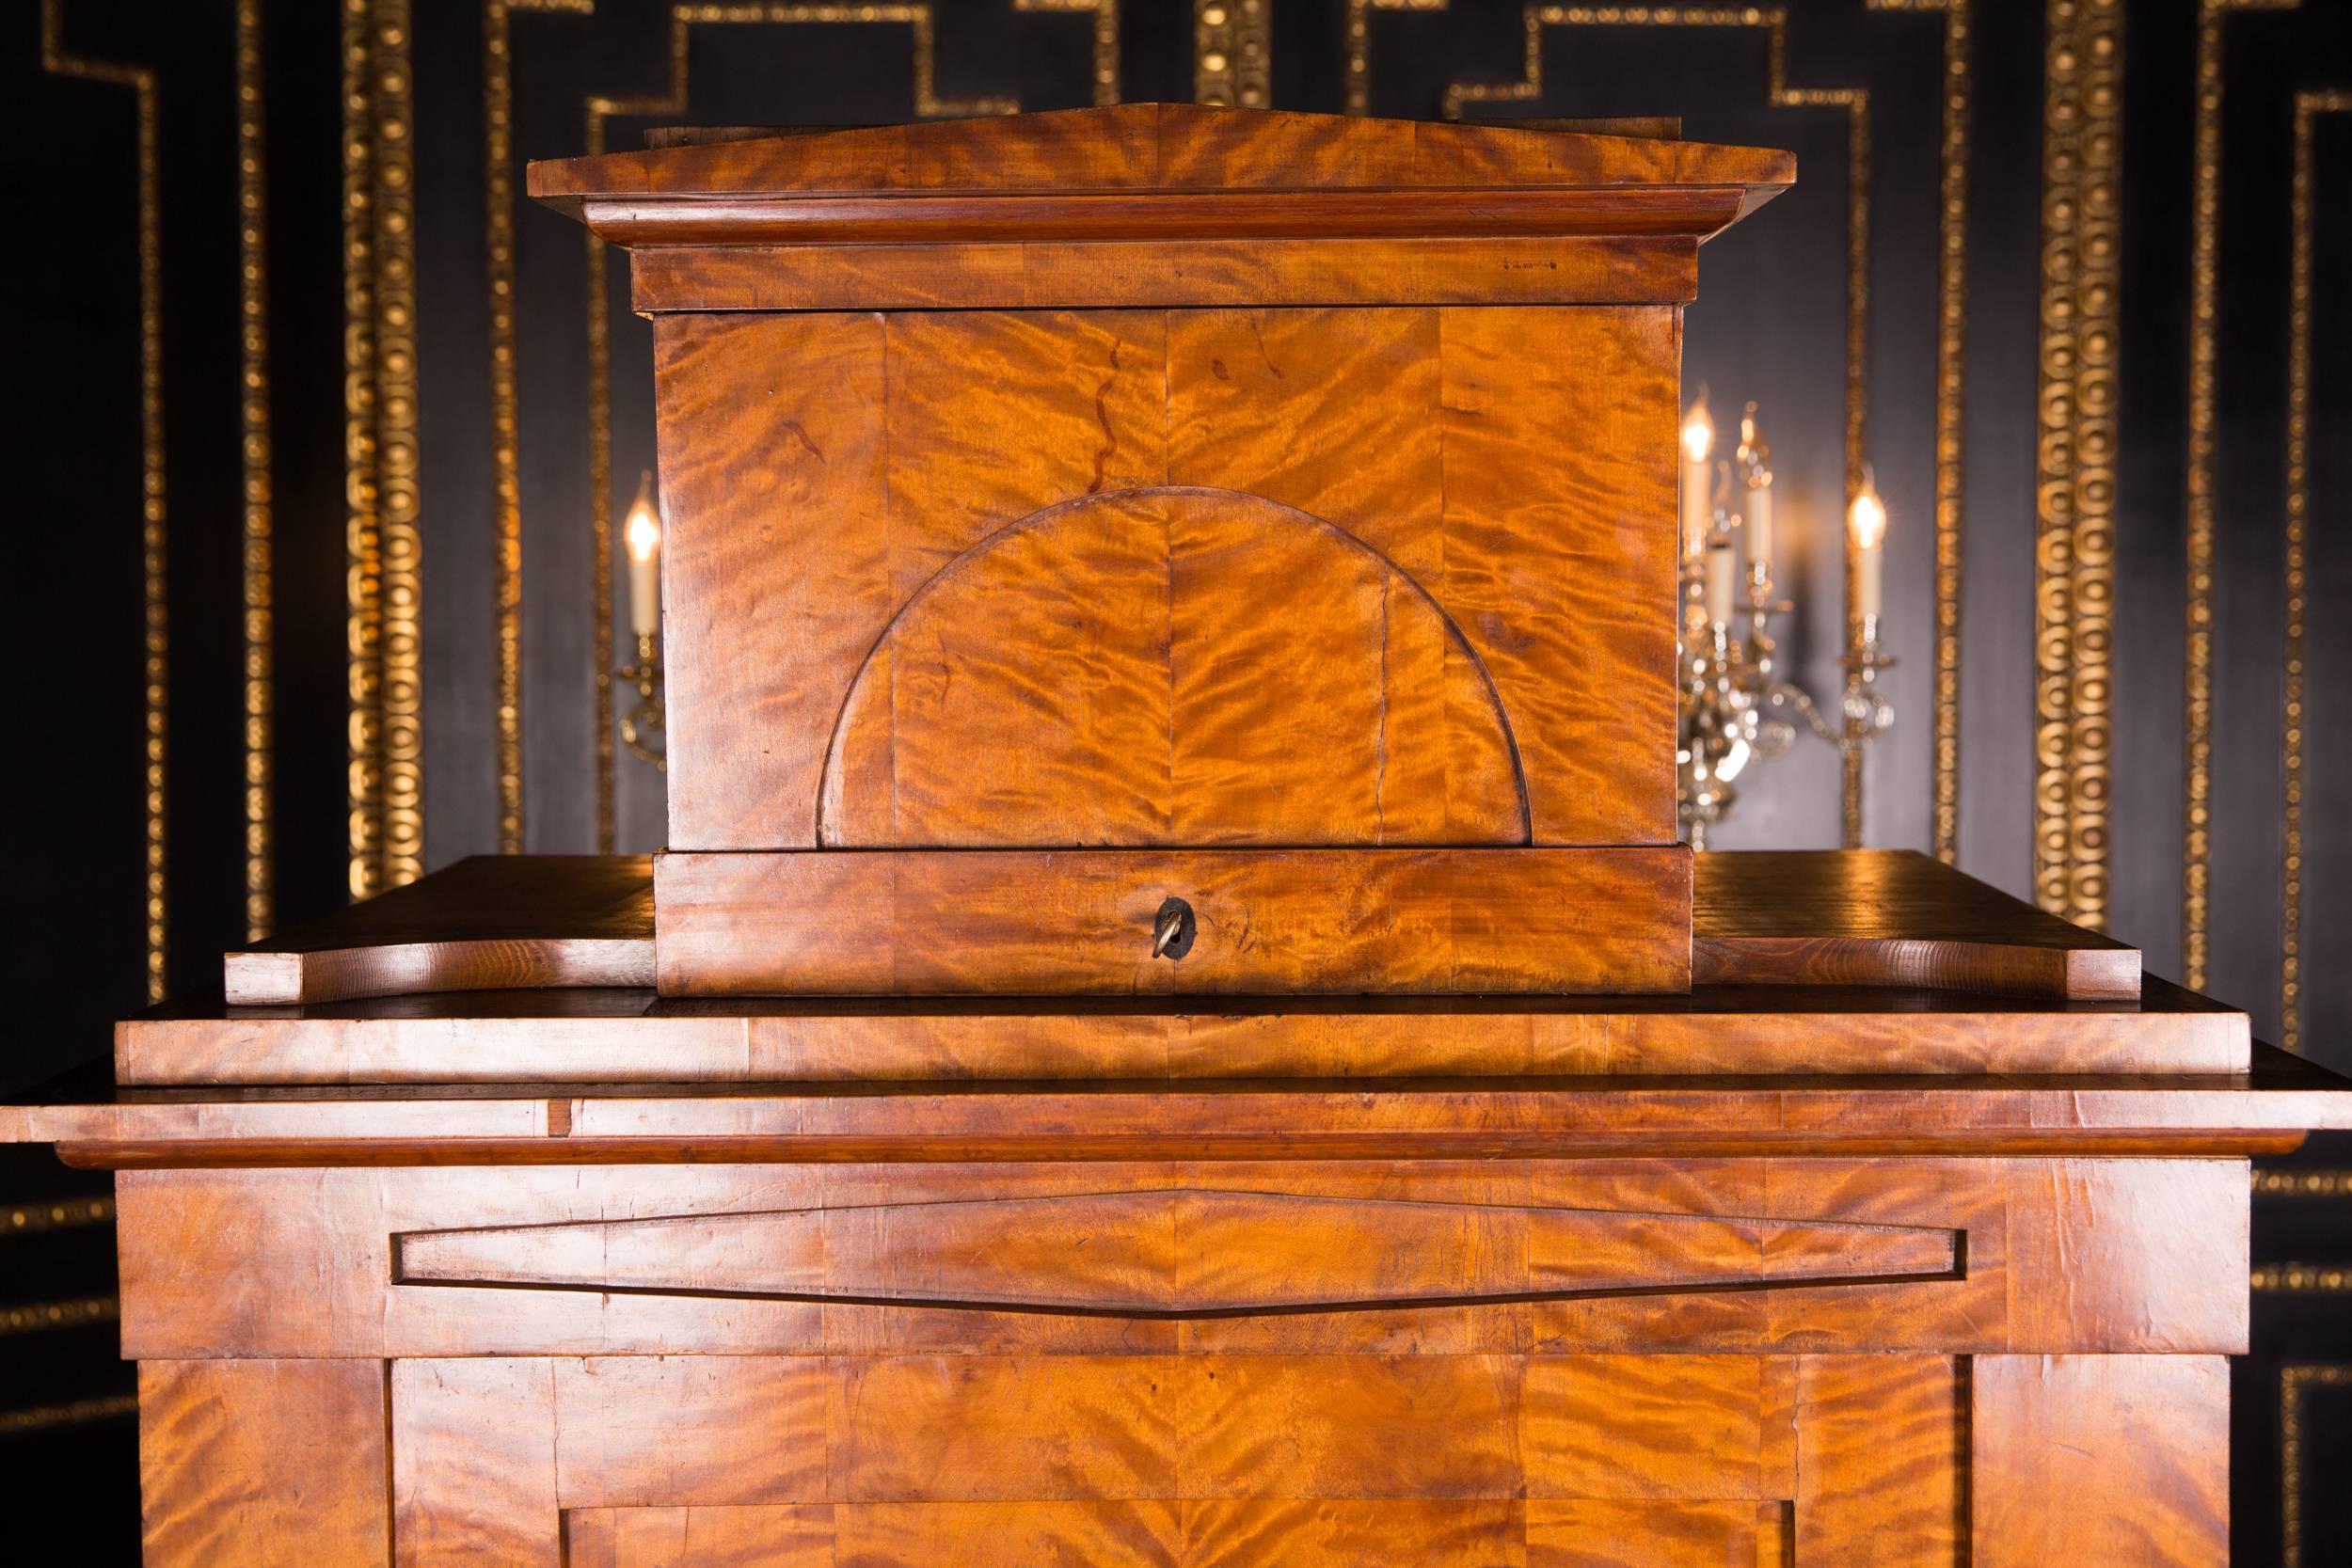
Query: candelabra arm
x,y
1785,695
642,726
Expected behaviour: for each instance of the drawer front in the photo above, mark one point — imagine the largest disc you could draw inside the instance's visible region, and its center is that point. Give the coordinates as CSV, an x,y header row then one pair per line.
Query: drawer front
x,y
1118,922
1613,1461
1569,1257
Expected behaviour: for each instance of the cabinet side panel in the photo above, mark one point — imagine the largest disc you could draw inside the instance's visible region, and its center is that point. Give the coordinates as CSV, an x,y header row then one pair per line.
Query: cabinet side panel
x,y
264,1464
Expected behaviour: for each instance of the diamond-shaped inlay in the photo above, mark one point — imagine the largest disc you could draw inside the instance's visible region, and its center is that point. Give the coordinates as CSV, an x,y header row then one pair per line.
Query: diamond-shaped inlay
x,y
1174,1253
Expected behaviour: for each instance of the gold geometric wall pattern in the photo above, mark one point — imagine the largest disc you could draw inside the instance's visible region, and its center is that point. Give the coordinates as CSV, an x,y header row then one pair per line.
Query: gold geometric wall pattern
x,y
154,632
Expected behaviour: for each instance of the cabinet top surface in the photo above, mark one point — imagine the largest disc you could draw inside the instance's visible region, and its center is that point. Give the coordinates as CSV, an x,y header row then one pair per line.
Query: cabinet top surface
x,y
1844,1049
1815,969
1181,153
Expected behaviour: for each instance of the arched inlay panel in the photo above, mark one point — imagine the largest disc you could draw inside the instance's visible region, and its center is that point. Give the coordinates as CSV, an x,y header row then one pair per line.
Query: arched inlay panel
x,y
1171,666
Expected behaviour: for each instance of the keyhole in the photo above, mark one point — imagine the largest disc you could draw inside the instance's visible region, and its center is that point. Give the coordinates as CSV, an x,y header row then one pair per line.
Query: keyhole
x,y
1172,930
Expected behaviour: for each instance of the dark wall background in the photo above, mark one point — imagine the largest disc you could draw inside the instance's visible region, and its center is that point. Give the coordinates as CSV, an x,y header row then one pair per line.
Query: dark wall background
x,y
318,434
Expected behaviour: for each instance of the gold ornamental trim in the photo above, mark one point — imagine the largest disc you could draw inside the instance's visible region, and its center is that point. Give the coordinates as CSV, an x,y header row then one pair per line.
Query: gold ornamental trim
x,y
2302,1183
2203,423
1105,13
40,1317
2296,1381
363,611
2075,461
65,1214
1233,53
253,413
2308,108
396,448
41,1417
2301,1279
1952,374
382,579
56,60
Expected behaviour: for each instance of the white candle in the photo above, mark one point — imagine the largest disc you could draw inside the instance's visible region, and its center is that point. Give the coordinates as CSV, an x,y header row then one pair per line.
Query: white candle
x,y
1758,524
1867,519
1753,459
1720,568
643,534
1698,444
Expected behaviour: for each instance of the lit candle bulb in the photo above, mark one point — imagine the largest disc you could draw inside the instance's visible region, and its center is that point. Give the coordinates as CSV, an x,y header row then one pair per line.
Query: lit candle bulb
x,y
1868,521
643,534
1756,519
1698,443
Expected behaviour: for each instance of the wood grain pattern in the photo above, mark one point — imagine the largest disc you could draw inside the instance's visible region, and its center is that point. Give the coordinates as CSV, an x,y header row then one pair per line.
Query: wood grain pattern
x,y
1605,1533
813,459
633,1431
267,1463
2069,1220
707,1536
1889,917
915,1429
1813,919
1076,589
1144,1459
473,1464
2267,1111
1557,431
1352,1533
1686,1427
630,1038
486,923
1658,127
1184,1252
1168,275
1335,413
1082,922
2100,1459
2139,1256
1316,1532
1112,217
1167,666
932,744
880,1535
990,415
1881,1461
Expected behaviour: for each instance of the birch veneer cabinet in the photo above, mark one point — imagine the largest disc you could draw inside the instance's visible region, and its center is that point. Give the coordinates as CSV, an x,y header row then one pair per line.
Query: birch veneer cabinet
x,y
1174,1029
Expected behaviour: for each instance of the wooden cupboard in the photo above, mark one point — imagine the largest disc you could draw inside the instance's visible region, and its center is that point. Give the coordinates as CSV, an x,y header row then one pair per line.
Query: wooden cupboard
x,y
1173,1028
